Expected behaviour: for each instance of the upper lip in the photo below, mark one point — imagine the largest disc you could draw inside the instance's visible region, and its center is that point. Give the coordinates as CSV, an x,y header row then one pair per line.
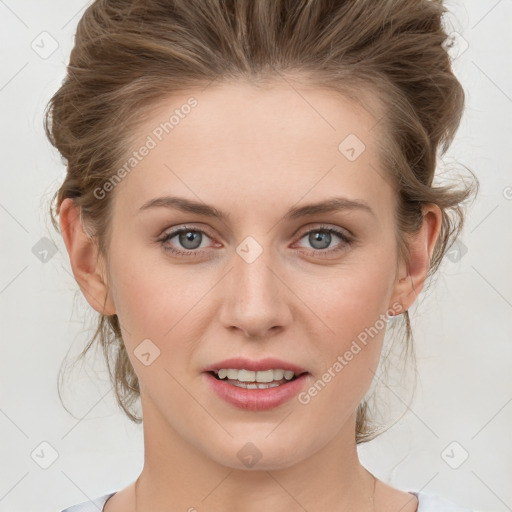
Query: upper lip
x,y
268,363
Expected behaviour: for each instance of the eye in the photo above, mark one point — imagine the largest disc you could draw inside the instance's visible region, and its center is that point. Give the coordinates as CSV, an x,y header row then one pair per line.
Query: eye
x,y
190,239
321,238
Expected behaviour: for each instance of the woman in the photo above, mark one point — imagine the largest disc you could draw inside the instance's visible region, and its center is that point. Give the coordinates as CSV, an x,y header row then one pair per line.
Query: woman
x,y
249,200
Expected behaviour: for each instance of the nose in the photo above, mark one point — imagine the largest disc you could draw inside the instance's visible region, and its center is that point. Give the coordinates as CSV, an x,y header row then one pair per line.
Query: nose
x,y
255,294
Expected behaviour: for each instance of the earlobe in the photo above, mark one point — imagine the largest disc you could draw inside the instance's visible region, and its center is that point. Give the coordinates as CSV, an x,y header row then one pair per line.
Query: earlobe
x,y
83,256
421,248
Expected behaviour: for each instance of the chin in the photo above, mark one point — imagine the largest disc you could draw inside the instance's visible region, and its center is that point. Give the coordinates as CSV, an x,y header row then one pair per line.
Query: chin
x,y
256,450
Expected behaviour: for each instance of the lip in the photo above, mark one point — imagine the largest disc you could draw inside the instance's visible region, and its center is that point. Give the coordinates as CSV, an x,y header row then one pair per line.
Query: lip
x,y
268,363
256,399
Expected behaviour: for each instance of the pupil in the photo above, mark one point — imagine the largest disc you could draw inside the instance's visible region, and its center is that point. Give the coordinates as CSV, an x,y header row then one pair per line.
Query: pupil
x,y
318,237
188,238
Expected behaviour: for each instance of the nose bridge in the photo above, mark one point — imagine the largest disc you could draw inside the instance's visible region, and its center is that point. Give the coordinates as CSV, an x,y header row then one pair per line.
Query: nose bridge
x,y
254,298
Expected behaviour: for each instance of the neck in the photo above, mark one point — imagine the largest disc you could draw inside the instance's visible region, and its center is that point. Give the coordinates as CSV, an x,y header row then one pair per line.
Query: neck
x,y
178,473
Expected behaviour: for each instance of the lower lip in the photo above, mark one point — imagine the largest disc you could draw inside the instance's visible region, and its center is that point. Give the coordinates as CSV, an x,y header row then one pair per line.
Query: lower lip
x,y
256,399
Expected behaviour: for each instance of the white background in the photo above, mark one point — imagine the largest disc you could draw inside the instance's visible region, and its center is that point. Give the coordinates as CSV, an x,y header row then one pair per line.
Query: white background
x,y
463,327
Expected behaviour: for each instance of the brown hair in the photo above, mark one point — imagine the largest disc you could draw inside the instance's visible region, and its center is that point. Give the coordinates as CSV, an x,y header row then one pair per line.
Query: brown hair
x,y
128,55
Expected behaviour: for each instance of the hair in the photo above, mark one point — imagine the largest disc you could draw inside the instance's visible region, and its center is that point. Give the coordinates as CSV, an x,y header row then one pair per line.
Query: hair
x,y
389,56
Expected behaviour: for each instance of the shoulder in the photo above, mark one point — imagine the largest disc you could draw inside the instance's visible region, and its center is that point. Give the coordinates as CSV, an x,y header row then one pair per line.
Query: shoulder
x,y
94,505
433,503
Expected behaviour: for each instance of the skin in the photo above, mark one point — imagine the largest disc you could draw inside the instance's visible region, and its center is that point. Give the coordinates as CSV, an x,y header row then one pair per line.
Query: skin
x,y
253,153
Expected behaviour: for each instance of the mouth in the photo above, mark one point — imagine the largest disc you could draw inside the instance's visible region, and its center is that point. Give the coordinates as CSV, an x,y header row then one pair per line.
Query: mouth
x,y
256,385
262,379
242,388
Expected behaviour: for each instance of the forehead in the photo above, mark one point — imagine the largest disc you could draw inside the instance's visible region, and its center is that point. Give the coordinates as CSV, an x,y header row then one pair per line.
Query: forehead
x,y
257,144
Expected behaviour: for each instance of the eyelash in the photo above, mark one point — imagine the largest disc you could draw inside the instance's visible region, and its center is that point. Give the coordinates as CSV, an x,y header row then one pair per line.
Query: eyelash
x,y
346,241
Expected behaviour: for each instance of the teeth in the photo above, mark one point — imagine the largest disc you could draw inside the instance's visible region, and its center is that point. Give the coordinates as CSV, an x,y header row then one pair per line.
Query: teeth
x,y
278,374
262,376
232,374
255,385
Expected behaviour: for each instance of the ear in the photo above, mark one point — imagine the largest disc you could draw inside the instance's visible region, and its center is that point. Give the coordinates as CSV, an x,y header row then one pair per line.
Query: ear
x,y
412,274
87,268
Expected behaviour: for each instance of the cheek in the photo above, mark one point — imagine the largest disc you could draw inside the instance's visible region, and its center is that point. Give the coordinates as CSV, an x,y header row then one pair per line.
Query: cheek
x,y
159,305
160,301
145,289
349,357
352,305
352,297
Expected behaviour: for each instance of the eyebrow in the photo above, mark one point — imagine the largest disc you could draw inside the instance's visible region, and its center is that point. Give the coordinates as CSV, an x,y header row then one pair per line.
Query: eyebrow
x,y
327,206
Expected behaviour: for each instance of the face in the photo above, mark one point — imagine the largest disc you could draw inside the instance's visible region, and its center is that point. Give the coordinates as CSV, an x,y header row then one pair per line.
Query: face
x,y
268,279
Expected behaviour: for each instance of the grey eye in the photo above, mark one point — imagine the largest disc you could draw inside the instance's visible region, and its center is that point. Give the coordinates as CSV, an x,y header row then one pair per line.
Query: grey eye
x,y
320,239
190,239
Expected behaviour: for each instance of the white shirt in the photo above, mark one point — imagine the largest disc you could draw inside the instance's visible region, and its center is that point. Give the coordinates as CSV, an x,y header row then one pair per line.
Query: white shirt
x,y
426,503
